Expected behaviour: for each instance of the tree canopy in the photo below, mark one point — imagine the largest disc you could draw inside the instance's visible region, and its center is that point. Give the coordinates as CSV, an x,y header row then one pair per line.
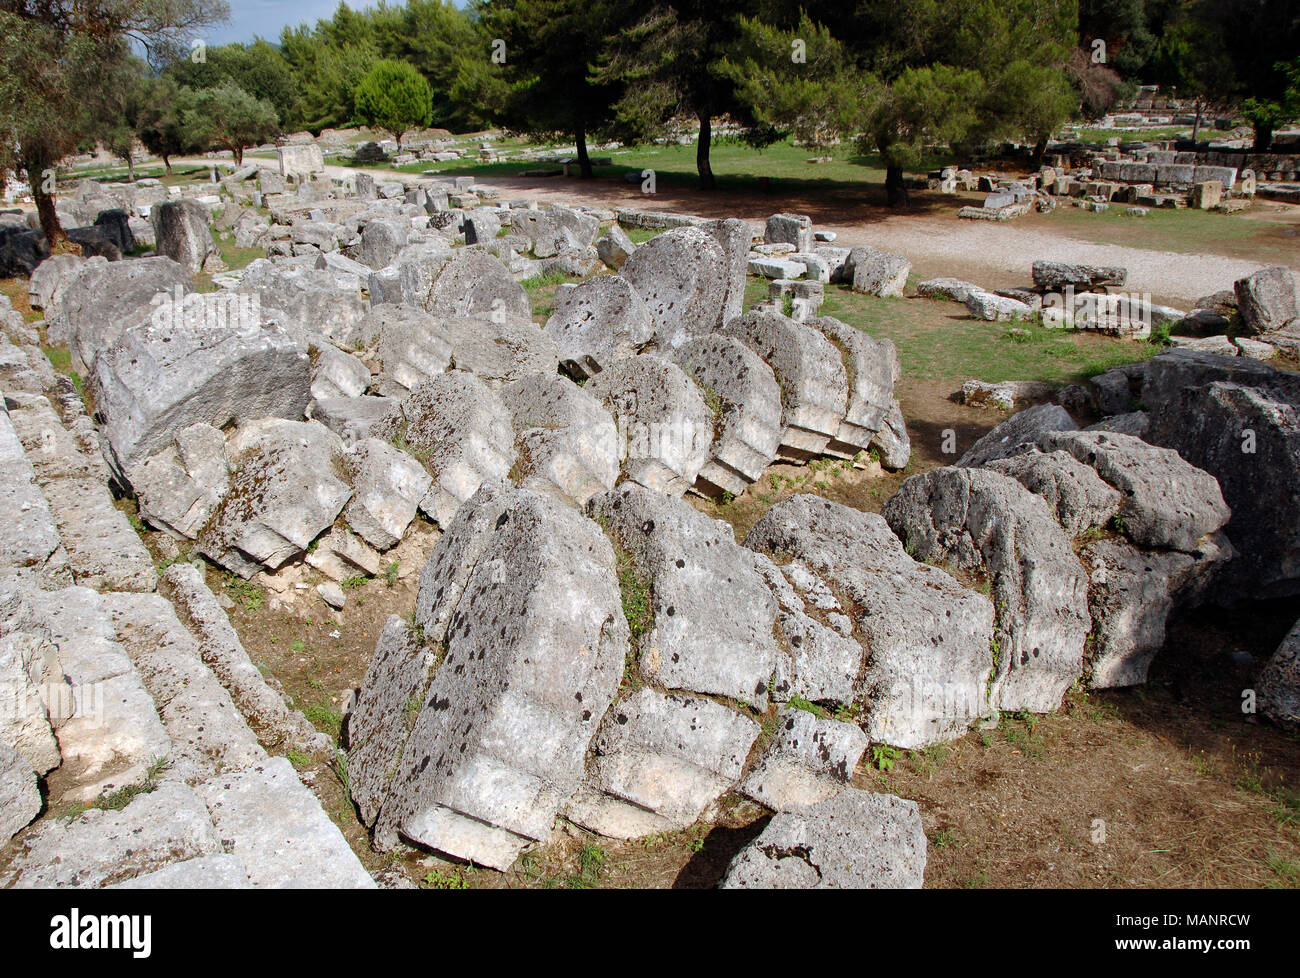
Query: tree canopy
x,y
393,96
902,79
63,63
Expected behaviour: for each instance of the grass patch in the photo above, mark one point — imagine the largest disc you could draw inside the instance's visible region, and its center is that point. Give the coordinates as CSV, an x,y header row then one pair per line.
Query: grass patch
x,y
591,867
1286,872
15,289
884,757
638,609
642,235
234,257
541,292
326,719
115,801
937,340
1186,231
449,879
736,166
244,593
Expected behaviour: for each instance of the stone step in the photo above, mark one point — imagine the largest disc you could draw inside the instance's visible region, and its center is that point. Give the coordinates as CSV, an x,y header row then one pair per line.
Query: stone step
x,y
265,709
209,736
267,818
29,539
103,550
100,848
108,729
220,814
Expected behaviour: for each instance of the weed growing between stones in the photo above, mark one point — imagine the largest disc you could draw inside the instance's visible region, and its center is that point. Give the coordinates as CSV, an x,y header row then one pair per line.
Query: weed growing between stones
x,y
115,801
244,593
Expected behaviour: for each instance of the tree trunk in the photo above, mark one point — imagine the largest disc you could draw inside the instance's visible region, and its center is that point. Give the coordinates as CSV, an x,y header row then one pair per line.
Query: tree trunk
x,y
702,164
1040,150
167,163
895,188
239,156
1263,137
45,208
1196,127
130,165
584,161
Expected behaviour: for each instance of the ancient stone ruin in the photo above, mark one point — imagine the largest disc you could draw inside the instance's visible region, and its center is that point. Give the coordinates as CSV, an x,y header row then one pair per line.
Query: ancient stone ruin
x,y
586,646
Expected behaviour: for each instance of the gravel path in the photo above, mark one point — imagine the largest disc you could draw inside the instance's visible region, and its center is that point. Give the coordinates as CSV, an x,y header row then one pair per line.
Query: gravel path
x,y
988,254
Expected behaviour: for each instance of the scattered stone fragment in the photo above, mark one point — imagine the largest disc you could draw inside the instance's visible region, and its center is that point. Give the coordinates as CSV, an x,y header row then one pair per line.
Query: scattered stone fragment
x,y
1055,276
1267,301
388,485
1074,491
855,840
475,283
155,381
285,492
1167,502
810,759
878,272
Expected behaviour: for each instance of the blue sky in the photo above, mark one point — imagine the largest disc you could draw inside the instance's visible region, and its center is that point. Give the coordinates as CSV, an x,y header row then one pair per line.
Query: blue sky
x,y
265,18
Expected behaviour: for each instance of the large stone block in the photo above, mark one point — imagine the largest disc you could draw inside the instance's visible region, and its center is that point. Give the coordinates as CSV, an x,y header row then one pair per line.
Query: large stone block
x,y
285,492
498,746
743,393
810,373
664,422
683,276
567,442
460,430
926,640
598,323
159,378
181,233
987,523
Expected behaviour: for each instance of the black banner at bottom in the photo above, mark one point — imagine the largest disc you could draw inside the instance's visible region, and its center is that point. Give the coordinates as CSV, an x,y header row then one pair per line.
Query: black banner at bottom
x,y
140,929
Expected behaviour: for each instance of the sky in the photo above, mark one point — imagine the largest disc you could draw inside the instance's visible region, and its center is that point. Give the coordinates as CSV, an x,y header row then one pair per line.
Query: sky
x,y
265,18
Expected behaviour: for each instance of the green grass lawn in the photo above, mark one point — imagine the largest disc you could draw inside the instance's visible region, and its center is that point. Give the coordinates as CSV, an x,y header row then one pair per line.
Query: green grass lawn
x,y
541,292
736,165
1169,132
937,340
120,174
1184,231
234,256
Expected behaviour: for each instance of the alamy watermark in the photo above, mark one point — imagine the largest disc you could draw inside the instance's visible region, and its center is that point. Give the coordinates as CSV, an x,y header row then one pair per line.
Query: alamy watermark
x,y
196,311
